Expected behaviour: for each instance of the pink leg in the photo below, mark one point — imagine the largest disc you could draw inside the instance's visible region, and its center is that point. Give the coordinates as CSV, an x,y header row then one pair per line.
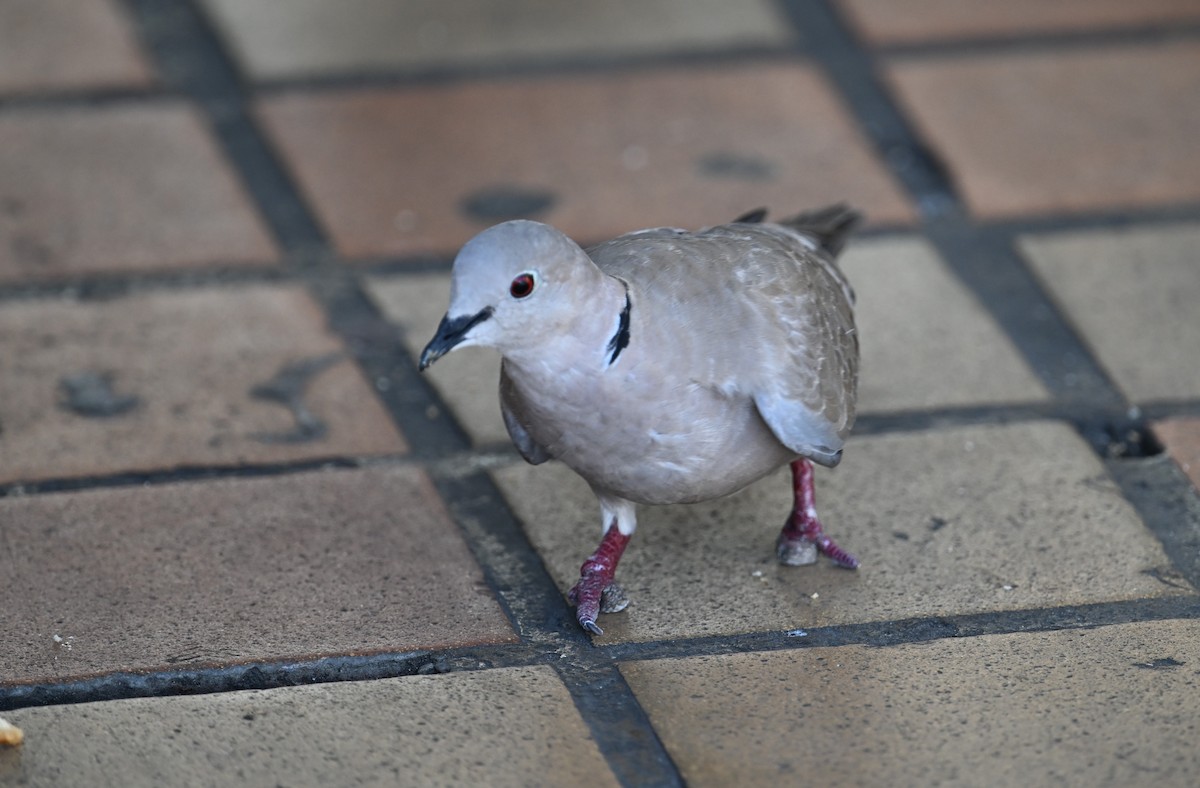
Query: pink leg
x,y
802,536
596,592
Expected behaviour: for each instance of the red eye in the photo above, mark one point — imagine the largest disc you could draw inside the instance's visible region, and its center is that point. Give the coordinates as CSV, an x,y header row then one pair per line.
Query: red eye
x,y
521,286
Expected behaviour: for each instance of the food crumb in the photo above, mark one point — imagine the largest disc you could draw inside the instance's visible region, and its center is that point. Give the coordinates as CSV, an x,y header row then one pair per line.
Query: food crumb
x,y
10,735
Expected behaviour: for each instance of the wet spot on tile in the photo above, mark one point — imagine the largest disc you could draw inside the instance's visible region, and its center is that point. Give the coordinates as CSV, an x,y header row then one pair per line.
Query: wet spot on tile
x,y
91,394
502,203
736,166
288,388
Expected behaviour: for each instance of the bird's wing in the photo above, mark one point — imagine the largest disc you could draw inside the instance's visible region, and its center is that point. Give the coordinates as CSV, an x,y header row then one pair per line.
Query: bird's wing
x,y
533,453
752,310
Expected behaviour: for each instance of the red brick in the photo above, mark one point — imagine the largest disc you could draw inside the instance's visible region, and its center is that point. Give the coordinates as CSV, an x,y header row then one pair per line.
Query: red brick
x,y
389,170
1104,128
1181,437
68,45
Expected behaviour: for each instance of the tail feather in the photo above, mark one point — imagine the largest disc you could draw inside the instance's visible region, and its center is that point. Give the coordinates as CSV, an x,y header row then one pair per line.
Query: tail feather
x,y
830,226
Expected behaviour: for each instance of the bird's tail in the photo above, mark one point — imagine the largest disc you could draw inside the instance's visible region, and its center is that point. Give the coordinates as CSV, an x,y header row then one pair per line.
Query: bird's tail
x,y
830,226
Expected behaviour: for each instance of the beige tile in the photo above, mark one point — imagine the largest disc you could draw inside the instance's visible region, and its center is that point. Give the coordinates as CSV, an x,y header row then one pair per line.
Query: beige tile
x,y
1062,130
1132,294
218,572
909,21
166,379
394,172
468,380
68,45
505,727
121,188
316,37
1072,707
1181,437
947,522
926,340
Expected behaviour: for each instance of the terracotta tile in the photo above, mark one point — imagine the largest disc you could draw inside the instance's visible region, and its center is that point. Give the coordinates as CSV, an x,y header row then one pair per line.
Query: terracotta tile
x,y
468,382
423,169
1102,128
314,37
67,45
926,340
126,187
1181,437
186,575
946,522
1032,708
158,380
909,21
1132,295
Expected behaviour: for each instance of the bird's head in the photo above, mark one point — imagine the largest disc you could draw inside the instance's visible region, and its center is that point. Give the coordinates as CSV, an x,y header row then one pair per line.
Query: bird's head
x,y
512,285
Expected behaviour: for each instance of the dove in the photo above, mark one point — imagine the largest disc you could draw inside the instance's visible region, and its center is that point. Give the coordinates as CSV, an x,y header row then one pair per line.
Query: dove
x,y
668,366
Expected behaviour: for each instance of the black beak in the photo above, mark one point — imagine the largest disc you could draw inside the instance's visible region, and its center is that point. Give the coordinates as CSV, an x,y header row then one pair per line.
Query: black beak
x,y
449,333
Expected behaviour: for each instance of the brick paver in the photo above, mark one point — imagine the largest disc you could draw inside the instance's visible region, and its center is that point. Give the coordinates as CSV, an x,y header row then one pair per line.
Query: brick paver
x,y
65,45
1104,128
423,169
1181,437
234,571
1131,293
157,380
945,523
954,711
308,37
500,727
226,229
909,21
125,187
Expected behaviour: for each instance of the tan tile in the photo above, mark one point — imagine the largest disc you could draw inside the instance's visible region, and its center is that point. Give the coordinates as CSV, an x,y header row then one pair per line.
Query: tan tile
x,y
468,381
218,572
1001,710
1132,294
948,522
191,359
126,187
505,727
67,45
390,172
908,21
1181,437
926,340
313,37
1101,128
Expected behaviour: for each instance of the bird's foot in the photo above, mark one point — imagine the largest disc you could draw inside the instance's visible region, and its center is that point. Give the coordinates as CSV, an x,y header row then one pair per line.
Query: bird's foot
x,y
801,541
597,592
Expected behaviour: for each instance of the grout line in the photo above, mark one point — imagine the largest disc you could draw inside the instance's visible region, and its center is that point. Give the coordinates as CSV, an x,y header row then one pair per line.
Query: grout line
x,y
1034,42
590,674
619,725
1169,506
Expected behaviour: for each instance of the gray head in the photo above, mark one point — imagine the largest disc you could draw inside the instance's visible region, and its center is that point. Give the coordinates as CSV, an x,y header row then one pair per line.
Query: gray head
x,y
512,284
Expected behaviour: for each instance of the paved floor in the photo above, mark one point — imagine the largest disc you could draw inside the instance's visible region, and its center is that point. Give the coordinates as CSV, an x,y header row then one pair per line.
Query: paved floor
x,y
243,542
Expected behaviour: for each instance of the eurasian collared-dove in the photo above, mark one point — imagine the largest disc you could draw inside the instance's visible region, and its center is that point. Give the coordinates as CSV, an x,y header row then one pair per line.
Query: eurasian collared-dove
x,y
668,366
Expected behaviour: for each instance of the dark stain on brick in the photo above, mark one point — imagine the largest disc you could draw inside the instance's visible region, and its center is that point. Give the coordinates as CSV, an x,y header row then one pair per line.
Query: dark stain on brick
x,y
288,388
736,166
1162,663
501,203
91,394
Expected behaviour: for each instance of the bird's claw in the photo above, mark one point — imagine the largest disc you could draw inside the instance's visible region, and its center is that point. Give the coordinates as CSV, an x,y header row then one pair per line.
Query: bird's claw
x,y
591,599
